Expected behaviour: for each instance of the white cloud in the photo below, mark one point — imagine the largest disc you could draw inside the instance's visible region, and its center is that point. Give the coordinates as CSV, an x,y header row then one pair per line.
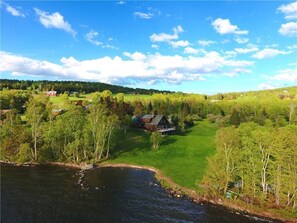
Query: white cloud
x,y
180,43
289,75
155,46
151,12
205,43
292,47
54,20
190,50
91,37
138,68
237,71
143,15
293,64
230,54
288,29
251,48
120,2
163,37
135,56
267,86
14,11
269,53
290,10
240,40
223,26
178,29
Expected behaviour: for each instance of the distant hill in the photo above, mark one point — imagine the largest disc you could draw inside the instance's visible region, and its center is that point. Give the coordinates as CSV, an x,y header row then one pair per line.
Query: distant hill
x,y
284,92
72,86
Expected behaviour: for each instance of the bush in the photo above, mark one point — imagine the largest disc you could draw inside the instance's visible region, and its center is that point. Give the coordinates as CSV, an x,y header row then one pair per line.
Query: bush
x,y
213,118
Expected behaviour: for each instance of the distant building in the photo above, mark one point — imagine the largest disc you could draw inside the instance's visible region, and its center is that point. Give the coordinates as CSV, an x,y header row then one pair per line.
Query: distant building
x,y
51,93
153,123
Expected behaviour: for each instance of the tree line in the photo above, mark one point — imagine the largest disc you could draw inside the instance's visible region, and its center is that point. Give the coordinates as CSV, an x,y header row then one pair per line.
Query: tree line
x,y
258,163
77,134
71,86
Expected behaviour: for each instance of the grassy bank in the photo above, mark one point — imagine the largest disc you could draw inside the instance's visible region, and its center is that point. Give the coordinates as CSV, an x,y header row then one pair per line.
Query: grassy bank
x,y
180,157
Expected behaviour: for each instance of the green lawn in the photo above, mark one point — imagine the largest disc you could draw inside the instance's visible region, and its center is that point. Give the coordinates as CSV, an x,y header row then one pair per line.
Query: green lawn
x,y
138,97
180,157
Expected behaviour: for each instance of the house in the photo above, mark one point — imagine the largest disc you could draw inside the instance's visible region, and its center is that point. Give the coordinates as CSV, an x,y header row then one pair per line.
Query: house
x,y
153,123
51,93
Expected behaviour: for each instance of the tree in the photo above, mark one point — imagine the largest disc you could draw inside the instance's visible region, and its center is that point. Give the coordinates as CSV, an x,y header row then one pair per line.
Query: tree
x,y
262,139
97,120
227,142
36,113
156,139
111,126
149,108
235,118
138,108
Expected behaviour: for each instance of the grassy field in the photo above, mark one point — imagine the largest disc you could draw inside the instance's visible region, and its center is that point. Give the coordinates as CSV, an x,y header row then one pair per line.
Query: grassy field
x,y
180,157
57,101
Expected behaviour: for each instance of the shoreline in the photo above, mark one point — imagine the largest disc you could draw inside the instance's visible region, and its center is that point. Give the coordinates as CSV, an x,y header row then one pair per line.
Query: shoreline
x,y
176,190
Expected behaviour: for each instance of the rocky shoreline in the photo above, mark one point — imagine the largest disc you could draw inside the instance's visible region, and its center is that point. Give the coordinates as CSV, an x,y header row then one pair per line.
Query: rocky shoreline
x,y
175,189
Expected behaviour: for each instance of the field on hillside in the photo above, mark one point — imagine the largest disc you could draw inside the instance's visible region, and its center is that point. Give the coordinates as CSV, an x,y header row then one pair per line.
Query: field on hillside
x,y
180,157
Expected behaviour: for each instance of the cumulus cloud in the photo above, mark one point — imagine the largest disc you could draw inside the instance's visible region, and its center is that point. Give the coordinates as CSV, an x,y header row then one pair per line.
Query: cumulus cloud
x,y
151,12
289,10
190,50
240,40
135,56
269,53
14,11
91,37
143,15
205,43
137,68
230,54
288,75
163,37
223,26
250,48
54,20
155,46
180,43
288,29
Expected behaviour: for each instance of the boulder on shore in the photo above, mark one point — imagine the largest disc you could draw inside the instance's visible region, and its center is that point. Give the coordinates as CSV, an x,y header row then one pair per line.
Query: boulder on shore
x,y
85,166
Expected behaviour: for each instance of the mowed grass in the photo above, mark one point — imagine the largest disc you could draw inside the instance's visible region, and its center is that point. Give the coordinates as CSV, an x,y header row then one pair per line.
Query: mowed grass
x,y
180,157
58,101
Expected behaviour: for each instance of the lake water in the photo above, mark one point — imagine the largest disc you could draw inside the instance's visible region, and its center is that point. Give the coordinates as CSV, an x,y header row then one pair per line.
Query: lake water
x,y
58,194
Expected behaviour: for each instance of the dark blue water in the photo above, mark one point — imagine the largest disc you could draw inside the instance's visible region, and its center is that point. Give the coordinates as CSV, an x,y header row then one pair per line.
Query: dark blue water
x,y
57,194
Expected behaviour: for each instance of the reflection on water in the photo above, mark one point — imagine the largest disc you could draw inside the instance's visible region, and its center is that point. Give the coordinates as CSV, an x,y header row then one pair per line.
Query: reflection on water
x,y
58,194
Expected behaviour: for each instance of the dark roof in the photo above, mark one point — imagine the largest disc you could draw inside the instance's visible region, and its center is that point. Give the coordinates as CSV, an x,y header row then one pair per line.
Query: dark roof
x,y
157,119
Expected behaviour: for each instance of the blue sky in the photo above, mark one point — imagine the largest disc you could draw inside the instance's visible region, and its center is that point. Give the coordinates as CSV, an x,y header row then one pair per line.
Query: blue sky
x,y
193,46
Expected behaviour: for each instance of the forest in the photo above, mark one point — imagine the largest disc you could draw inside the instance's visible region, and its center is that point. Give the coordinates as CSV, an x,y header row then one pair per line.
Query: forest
x,y
71,86
256,140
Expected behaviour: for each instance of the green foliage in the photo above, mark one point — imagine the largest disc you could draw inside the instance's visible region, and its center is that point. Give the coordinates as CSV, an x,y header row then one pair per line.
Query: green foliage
x,y
156,139
261,160
25,153
235,118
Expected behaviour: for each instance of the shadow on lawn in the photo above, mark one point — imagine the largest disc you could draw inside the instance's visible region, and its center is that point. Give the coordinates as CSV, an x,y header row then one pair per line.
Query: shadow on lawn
x,y
136,141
